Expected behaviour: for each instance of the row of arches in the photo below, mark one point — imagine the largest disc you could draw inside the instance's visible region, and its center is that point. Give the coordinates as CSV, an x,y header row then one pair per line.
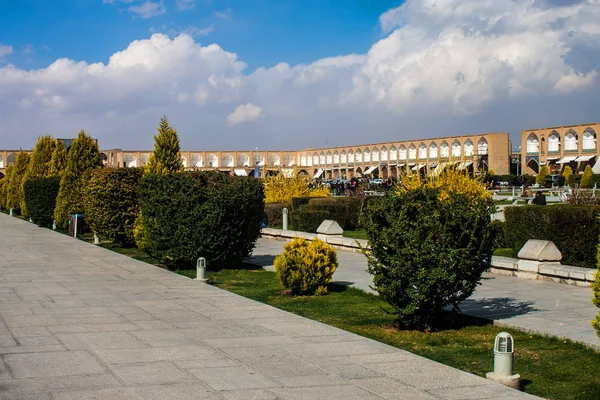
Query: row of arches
x,y
212,160
568,142
401,153
10,160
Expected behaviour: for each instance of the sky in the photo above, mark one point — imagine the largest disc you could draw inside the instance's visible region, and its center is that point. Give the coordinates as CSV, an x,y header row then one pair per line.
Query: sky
x,y
293,74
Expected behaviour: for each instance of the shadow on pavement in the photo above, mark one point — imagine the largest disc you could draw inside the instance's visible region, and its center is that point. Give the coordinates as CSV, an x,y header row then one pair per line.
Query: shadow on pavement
x,y
497,307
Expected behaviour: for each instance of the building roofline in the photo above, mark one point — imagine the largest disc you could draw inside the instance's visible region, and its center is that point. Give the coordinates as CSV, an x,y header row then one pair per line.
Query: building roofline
x,y
559,127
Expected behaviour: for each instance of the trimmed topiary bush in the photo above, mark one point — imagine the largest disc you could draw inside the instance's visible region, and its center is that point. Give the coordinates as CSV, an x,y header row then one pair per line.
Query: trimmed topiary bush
x,y
110,202
308,213
308,220
306,267
188,215
40,198
428,250
574,229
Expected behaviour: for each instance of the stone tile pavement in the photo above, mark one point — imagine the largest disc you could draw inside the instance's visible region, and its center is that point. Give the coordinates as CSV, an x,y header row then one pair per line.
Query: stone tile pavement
x,y
80,322
537,306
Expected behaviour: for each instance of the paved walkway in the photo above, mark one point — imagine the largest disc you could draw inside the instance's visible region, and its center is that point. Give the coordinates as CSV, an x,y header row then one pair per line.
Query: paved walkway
x,y
538,306
80,322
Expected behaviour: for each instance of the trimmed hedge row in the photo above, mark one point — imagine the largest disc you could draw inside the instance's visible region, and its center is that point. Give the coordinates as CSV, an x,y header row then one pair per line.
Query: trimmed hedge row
x,y
574,230
200,214
275,212
40,199
111,204
309,212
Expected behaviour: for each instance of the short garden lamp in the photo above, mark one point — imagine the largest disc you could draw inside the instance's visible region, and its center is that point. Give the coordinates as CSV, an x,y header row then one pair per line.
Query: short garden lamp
x,y
11,212
201,270
285,219
503,362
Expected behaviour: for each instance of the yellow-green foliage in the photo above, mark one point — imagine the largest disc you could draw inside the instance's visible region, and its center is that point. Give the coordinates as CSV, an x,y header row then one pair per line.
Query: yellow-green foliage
x,y
596,298
586,179
450,181
165,158
542,175
306,267
279,189
139,234
15,195
40,163
567,172
59,159
5,182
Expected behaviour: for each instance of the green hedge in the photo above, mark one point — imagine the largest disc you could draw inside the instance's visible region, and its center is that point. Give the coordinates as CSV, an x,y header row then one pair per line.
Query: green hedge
x,y
308,212
275,213
574,230
40,199
201,214
110,202
308,221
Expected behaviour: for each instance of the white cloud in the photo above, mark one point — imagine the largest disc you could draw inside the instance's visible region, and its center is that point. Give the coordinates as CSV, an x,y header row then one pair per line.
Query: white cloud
x,y
186,4
5,50
222,14
149,9
445,67
244,113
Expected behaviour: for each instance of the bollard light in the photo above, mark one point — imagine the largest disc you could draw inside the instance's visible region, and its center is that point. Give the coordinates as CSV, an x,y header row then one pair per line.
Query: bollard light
x,y
285,219
504,350
96,238
54,225
201,270
12,212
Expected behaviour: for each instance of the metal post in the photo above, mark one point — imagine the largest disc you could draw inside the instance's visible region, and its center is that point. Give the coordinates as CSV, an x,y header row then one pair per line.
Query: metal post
x,y
285,219
96,238
75,230
54,225
201,270
12,212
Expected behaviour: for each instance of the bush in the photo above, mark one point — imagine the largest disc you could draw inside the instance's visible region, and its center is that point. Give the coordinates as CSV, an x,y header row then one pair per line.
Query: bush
x,y
188,215
542,176
499,234
344,210
428,250
308,221
15,196
275,213
40,199
306,267
110,202
279,189
586,178
596,298
574,230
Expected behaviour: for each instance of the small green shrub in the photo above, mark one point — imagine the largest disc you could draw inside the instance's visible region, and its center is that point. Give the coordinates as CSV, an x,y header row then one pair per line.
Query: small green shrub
x,y
308,220
427,252
187,215
306,267
574,229
40,199
275,213
110,202
586,178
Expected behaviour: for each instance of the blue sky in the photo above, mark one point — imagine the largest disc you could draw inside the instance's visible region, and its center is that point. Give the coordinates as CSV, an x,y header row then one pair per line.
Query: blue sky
x,y
261,32
235,74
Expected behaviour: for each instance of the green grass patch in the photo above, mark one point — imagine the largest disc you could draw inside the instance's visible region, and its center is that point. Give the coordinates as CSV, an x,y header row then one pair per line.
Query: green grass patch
x,y
503,252
357,234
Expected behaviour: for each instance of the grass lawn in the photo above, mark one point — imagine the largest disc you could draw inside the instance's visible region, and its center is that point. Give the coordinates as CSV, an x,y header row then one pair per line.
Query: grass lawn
x,y
357,234
503,252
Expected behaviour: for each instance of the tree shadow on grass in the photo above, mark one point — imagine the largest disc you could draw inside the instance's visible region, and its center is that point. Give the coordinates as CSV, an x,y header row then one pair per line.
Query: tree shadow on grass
x,y
497,307
265,260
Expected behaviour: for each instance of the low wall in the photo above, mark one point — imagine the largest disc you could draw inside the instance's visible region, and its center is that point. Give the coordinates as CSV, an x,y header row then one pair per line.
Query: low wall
x,y
500,265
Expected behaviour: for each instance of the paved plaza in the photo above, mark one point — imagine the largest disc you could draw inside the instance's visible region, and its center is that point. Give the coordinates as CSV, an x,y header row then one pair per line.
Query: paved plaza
x,y
81,322
538,306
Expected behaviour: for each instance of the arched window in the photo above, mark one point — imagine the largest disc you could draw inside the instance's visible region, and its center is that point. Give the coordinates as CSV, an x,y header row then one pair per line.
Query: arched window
x,y
393,153
533,144
315,159
444,150
274,159
212,160
303,161
412,152
257,158
184,161
588,139
422,151
1,162
375,154
322,158
11,159
570,141
289,160
469,148
358,155
336,157
130,161
329,158
242,160
456,149
433,151
196,160
403,153
227,160
384,154
554,142
482,147
343,157
350,156
367,155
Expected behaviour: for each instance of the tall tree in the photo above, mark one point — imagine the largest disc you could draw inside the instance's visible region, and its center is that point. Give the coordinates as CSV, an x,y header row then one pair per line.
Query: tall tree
x,y
82,156
166,158
542,175
4,182
567,172
586,179
40,163
15,187
59,159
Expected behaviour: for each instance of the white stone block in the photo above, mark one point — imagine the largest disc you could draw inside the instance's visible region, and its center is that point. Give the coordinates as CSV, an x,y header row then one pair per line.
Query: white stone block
x,y
540,250
336,240
528,266
589,276
330,227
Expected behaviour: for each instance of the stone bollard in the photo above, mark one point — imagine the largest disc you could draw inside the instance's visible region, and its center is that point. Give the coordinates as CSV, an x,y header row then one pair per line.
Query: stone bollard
x,y
329,229
285,213
537,254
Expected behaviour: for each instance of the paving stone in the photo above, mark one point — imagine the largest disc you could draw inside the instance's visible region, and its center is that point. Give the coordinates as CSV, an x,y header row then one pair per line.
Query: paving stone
x,y
17,387
99,340
179,392
348,392
150,373
122,356
232,378
52,364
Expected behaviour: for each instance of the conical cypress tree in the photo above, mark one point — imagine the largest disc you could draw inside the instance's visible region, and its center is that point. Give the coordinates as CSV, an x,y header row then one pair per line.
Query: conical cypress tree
x,y
59,159
166,158
15,187
40,162
586,179
82,156
567,172
4,188
542,175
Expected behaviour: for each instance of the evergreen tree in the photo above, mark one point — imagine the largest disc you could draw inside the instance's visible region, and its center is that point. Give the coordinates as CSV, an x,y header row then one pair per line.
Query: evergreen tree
x,y
166,158
59,159
40,163
567,172
596,298
82,156
542,175
14,196
586,179
4,188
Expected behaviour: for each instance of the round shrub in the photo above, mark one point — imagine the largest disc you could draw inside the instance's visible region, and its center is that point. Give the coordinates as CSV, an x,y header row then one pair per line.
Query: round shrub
x,y
306,267
428,250
40,199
